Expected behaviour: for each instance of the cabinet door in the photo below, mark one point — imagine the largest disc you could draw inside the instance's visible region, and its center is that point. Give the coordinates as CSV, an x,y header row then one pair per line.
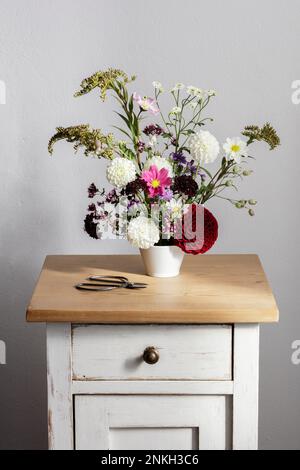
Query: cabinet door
x,y
133,422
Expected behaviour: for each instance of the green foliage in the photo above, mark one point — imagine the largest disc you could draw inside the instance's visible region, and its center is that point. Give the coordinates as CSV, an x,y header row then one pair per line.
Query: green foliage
x,y
104,80
126,152
93,140
266,133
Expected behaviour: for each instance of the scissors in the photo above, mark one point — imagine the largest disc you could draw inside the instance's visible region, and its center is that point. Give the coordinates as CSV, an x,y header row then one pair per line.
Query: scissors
x,y
104,283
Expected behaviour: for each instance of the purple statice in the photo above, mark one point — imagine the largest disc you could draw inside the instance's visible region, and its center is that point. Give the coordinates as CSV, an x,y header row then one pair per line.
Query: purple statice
x,y
92,208
153,129
112,197
174,141
92,190
179,158
202,176
141,146
191,167
167,196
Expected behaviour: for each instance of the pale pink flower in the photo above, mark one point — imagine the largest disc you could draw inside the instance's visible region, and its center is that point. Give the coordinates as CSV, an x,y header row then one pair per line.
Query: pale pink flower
x,y
145,103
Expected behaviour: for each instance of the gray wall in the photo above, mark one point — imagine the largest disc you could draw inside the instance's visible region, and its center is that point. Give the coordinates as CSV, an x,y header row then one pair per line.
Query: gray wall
x,y
248,52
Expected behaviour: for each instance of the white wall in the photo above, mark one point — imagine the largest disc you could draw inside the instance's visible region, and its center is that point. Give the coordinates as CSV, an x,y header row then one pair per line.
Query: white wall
x,y
248,52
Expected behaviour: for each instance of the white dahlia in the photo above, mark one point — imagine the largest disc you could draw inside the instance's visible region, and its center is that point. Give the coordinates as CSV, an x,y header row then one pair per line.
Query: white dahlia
x,y
235,148
204,147
142,232
120,172
160,163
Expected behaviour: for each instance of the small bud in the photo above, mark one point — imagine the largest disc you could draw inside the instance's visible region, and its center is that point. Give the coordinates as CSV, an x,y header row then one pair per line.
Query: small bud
x,y
247,172
251,212
238,205
228,183
236,169
252,202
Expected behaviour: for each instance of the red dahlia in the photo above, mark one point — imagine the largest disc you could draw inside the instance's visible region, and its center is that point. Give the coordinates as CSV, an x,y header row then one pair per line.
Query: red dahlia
x,y
198,232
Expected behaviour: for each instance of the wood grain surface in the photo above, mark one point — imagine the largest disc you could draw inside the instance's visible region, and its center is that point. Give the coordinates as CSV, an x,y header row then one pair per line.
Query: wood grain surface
x,y
210,289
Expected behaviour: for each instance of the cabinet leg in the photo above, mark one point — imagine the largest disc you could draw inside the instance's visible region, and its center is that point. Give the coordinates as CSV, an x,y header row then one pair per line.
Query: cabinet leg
x,y
246,381
59,375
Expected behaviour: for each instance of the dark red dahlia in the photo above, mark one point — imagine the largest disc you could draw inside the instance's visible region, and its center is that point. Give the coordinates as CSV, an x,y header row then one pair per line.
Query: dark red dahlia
x,y
185,185
135,186
198,231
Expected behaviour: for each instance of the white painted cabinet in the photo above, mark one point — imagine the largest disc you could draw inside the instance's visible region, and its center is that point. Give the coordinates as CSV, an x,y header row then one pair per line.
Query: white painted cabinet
x,y
150,422
200,392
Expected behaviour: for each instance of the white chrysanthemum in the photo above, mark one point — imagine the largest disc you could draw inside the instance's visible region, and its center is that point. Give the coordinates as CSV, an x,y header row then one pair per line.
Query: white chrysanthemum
x,y
160,162
175,208
235,148
158,86
142,232
120,172
204,147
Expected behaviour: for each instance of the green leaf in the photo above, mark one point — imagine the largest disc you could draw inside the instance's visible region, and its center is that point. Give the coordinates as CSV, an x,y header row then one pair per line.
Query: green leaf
x,y
122,130
130,105
128,153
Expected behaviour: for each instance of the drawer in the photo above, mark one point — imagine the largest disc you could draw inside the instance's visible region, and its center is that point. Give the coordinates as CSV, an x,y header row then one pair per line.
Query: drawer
x,y
186,352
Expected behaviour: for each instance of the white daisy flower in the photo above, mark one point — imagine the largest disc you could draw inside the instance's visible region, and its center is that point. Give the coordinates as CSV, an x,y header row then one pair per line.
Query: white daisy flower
x,y
199,93
120,172
235,148
175,208
159,162
142,232
175,110
204,147
178,86
211,92
194,91
158,86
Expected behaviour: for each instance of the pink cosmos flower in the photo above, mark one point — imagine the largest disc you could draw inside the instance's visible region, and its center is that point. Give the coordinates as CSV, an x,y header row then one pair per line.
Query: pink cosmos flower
x,y
145,103
156,180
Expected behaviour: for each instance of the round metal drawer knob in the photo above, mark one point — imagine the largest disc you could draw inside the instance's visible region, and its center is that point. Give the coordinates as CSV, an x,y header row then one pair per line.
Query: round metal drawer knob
x,y
151,355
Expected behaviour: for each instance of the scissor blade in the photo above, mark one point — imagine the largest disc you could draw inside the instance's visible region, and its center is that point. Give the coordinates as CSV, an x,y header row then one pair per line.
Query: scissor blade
x,y
108,278
93,287
136,285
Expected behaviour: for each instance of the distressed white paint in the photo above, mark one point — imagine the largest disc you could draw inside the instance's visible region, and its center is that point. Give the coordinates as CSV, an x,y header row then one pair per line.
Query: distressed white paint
x,y
154,417
60,408
187,352
167,413
246,379
150,387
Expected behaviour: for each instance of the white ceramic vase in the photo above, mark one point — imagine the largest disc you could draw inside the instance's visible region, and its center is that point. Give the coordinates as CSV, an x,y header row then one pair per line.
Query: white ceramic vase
x,y
162,261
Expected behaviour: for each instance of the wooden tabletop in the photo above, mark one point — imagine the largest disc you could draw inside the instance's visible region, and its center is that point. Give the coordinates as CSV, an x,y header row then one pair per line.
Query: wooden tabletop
x,y
210,289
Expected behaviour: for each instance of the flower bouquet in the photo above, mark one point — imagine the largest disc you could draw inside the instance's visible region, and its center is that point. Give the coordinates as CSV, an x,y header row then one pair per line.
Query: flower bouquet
x,y
159,170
